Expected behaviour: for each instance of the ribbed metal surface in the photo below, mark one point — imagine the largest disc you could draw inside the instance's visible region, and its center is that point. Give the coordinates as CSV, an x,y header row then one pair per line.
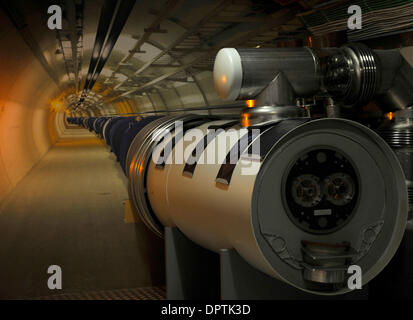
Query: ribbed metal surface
x,y
260,66
352,74
366,77
398,138
369,73
401,140
147,293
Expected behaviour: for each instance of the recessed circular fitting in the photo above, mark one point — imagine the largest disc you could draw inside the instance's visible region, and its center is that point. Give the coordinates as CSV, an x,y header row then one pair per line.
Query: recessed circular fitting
x,y
339,188
306,190
321,190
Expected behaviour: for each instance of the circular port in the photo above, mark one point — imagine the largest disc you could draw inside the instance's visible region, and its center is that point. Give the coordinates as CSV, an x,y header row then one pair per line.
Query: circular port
x,y
339,188
321,191
306,190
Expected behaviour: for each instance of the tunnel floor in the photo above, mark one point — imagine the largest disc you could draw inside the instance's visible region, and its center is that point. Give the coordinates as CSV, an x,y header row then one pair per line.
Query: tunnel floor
x,y
68,211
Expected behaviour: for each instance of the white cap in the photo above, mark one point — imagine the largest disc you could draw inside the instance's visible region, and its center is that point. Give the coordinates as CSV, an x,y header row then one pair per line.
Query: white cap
x,y
228,74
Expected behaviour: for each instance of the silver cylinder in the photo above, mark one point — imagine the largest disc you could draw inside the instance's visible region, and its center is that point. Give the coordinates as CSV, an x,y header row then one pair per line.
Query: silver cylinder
x,y
262,206
244,73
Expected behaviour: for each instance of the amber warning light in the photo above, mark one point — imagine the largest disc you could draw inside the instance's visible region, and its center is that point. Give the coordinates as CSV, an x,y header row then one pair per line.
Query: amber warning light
x,y
250,103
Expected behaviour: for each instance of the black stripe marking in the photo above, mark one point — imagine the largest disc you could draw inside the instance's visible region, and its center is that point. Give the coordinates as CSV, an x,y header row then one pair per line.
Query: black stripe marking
x,y
227,168
268,137
171,144
189,168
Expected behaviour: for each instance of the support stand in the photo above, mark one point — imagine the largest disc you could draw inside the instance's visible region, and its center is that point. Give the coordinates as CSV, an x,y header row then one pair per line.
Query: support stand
x,y
193,272
241,281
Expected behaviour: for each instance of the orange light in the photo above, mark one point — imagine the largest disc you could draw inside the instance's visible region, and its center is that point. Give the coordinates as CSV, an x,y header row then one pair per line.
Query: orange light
x,y
245,120
390,116
250,103
224,79
310,42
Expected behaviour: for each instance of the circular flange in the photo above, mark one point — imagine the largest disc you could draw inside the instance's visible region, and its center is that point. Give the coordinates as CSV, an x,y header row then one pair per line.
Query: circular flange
x,y
379,220
137,160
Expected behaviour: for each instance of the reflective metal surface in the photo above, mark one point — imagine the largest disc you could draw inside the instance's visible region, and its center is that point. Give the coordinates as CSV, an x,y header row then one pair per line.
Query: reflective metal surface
x,y
264,115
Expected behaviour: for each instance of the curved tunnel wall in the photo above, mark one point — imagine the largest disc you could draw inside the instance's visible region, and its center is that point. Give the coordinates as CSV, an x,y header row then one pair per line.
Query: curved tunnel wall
x,y
25,89
187,95
28,128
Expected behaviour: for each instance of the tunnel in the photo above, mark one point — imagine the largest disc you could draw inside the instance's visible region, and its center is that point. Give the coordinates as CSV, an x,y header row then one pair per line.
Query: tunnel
x,y
115,182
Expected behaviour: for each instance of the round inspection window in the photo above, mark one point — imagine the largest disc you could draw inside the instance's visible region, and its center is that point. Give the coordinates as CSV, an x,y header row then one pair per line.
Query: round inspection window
x,y
321,191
